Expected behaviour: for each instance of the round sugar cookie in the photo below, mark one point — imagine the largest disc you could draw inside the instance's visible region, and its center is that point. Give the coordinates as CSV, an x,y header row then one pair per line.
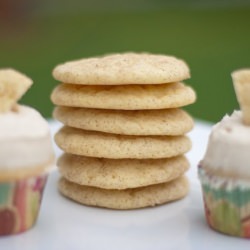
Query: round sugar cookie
x,y
120,69
121,173
131,198
98,144
127,97
127,122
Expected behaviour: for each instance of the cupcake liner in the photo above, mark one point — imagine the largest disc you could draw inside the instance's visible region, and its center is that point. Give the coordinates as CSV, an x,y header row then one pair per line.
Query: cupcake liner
x,y
20,203
226,204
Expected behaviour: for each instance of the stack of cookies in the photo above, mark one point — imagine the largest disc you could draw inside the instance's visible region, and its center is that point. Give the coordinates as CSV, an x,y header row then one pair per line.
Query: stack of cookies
x,y
124,132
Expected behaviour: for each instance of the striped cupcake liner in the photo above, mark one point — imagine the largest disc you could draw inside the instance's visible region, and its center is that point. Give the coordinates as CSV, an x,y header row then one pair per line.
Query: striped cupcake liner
x,y
226,204
20,203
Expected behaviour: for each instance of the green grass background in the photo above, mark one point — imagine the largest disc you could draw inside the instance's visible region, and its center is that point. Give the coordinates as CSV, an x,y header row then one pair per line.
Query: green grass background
x,y
214,42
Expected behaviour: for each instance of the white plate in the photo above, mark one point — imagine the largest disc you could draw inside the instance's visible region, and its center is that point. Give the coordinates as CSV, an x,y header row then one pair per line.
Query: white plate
x,y
65,225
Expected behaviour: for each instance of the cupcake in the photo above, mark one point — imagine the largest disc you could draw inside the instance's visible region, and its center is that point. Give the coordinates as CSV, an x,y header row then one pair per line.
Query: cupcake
x,y
26,156
225,170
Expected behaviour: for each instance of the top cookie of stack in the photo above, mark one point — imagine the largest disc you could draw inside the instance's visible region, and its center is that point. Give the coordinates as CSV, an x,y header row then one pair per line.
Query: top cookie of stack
x,y
124,133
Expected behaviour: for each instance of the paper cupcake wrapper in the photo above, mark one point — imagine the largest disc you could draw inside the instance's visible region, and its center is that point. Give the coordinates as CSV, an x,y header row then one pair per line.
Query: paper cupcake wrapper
x,y
226,203
20,203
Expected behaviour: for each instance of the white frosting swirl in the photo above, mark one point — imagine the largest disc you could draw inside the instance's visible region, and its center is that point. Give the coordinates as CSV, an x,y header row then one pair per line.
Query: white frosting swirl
x,y
24,139
228,148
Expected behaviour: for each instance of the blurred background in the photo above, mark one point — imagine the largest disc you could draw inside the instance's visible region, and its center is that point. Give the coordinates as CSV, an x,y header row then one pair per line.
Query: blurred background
x,y
211,36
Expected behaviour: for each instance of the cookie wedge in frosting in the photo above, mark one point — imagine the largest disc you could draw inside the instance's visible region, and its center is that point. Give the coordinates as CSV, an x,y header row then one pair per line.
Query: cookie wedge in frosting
x,y
224,171
26,155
